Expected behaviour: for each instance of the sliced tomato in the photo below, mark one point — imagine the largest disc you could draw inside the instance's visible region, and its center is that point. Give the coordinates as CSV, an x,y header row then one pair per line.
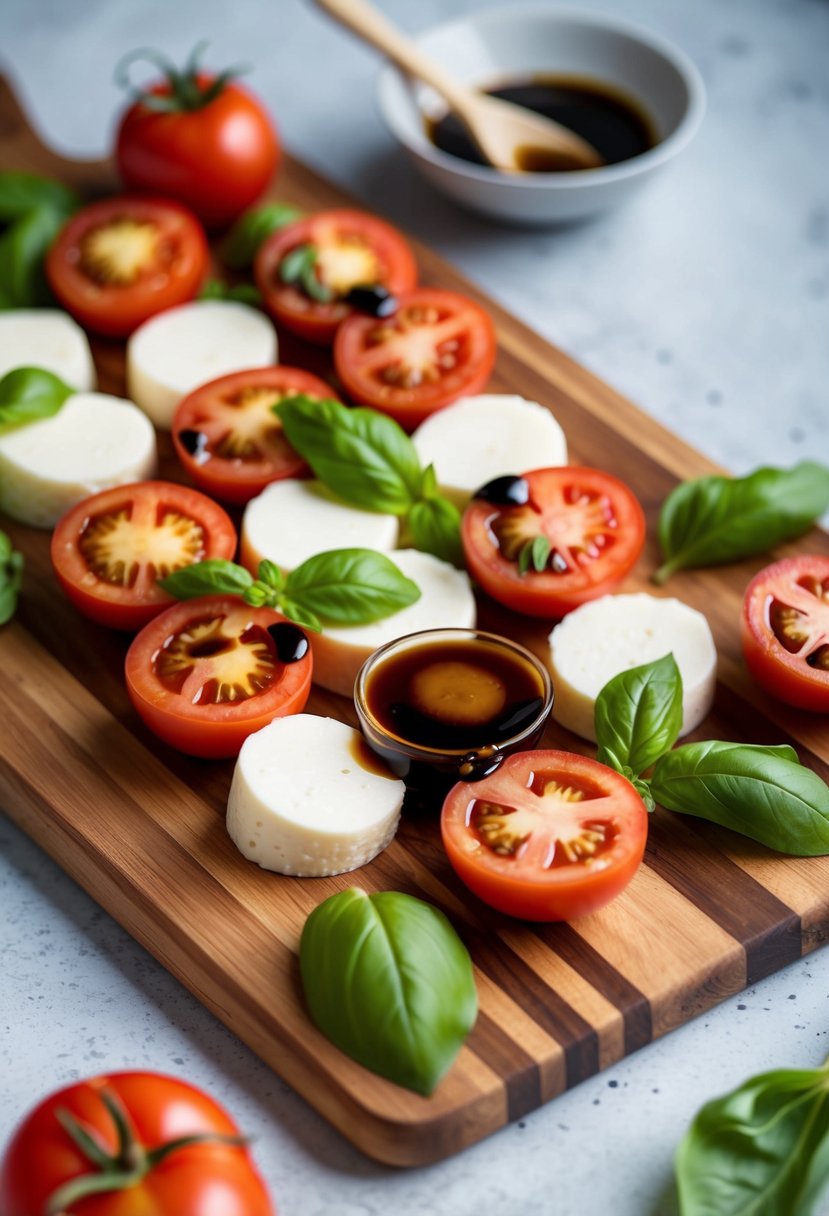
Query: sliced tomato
x,y
548,836
437,347
111,549
207,673
121,260
592,530
785,631
229,439
346,250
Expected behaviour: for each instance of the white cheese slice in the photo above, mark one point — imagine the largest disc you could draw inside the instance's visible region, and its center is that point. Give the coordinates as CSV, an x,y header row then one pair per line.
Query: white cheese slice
x,y
480,438
446,601
301,801
291,520
176,351
46,337
617,632
94,441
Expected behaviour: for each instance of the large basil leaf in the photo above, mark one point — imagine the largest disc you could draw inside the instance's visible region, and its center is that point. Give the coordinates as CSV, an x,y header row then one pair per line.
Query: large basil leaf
x,y
30,393
362,455
758,791
21,193
388,980
762,1150
721,519
34,210
435,525
350,586
215,576
11,578
242,243
638,715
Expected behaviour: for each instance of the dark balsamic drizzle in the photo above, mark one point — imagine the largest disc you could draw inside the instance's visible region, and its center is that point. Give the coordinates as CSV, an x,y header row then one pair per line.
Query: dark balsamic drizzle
x,y
507,491
195,443
373,299
290,642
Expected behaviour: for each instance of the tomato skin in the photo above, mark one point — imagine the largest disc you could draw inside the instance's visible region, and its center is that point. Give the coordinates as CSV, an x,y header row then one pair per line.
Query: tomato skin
x,y
114,309
522,888
314,320
781,673
235,480
41,1156
116,606
217,160
548,594
354,357
211,731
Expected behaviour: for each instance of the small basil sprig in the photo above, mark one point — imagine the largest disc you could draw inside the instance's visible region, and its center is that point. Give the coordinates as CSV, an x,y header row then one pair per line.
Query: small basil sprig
x,y
11,578
763,1148
242,243
30,393
389,982
32,210
297,269
239,293
713,520
761,792
340,587
368,460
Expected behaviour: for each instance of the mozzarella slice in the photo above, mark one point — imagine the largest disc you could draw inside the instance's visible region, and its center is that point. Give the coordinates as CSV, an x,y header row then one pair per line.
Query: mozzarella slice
x,y
480,438
303,802
94,441
617,632
176,351
446,600
292,520
45,337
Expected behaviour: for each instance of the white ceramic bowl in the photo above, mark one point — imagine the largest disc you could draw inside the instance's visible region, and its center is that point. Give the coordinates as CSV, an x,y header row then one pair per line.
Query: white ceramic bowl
x,y
497,44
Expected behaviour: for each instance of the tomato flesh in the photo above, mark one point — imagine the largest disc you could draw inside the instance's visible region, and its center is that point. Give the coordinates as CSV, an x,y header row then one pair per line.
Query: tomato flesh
x,y
228,438
110,550
593,528
548,836
351,249
119,261
785,631
206,673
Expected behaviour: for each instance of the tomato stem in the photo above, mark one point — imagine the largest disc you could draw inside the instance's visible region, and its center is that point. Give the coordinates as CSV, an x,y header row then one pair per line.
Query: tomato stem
x,y
186,90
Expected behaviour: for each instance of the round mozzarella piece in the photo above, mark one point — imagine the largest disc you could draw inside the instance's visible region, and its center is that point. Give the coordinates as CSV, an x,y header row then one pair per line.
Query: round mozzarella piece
x,y
302,802
446,601
617,632
94,441
176,351
45,337
292,520
480,438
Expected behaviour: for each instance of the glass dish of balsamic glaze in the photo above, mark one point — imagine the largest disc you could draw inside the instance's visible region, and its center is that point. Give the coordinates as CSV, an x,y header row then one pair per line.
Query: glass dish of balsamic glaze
x,y
607,117
447,705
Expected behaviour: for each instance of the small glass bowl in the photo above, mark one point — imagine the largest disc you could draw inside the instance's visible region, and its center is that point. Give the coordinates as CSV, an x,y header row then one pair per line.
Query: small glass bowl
x,y
429,772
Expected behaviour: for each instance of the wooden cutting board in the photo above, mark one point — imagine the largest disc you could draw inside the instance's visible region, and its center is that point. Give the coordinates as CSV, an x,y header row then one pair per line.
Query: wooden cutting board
x,y
141,828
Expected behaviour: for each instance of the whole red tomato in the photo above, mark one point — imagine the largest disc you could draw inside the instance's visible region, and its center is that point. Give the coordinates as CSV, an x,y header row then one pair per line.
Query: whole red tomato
x,y
168,1148
197,137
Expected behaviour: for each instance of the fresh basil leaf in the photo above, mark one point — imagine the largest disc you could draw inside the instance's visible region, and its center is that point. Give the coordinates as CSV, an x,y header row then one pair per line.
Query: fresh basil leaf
x,y
299,615
242,243
763,1148
21,193
362,455
389,982
270,574
642,787
215,576
23,247
350,587
429,483
295,263
638,715
756,791
240,293
435,526
11,578
539,553
30,393
312,284
721,519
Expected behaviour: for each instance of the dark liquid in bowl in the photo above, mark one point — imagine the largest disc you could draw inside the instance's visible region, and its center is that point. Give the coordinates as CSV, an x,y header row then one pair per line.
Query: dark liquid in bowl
x,y
606,117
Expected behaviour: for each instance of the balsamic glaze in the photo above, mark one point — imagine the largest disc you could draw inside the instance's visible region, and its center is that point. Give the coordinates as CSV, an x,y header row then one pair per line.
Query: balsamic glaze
x,y
374,299
290,642
195,443
507,491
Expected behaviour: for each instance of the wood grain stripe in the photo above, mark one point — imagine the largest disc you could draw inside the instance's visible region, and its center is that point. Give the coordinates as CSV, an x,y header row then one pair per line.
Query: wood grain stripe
x,y
517,1067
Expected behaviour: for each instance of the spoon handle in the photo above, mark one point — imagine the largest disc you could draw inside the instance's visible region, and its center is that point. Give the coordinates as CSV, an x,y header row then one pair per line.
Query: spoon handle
x,y
372,26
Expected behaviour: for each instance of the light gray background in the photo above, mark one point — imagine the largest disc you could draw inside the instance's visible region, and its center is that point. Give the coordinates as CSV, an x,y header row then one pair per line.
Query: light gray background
x,y
707,302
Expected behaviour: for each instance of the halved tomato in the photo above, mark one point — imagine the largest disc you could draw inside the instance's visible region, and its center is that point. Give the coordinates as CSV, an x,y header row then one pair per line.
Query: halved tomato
x,y
548,836
111,549
208,672
306,270
437,347
785,631
121,260
582,527
229,439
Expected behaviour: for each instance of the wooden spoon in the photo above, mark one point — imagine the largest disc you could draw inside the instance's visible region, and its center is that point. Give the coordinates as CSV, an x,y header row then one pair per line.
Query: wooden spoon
x,y
508,136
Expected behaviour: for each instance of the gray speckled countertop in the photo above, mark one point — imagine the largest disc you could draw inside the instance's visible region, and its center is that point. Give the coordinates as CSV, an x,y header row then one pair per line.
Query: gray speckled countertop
x,y
707,302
